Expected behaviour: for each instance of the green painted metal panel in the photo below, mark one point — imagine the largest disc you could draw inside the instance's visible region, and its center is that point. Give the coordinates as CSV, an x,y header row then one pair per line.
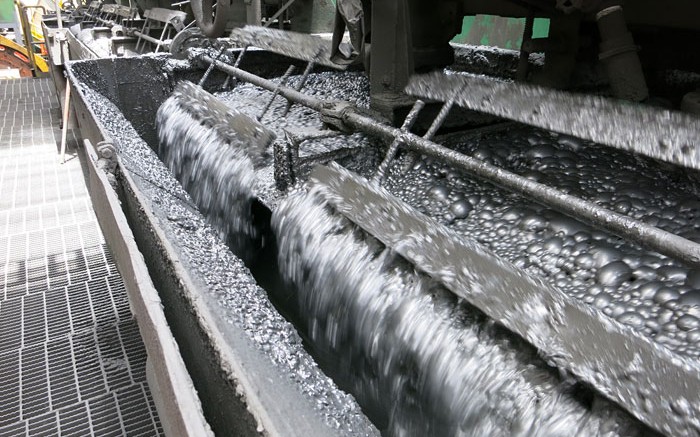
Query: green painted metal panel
x,y
7,11
503,32
313,16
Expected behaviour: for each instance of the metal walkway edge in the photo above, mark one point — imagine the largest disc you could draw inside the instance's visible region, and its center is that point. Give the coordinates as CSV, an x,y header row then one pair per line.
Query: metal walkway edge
x,y
72,361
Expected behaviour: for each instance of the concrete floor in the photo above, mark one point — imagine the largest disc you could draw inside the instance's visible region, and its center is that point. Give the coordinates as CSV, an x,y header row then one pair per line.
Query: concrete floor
x,y
72,361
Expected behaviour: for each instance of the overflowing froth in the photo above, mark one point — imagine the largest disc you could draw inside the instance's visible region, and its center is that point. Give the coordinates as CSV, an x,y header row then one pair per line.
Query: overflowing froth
x,y
217,173
418,360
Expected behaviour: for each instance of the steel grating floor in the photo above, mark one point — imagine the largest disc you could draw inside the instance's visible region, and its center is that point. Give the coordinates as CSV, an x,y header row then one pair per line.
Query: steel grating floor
x,y
72,362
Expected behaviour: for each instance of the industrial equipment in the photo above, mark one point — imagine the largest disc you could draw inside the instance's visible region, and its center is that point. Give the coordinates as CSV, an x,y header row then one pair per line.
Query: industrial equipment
x,y
469,241
21,57
16,57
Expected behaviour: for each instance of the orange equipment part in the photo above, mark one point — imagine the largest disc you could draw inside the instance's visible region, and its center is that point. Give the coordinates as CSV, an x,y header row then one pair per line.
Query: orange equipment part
x,y
15,56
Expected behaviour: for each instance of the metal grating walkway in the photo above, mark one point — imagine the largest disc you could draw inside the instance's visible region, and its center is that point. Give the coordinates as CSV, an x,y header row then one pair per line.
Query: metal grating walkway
x,y
72,362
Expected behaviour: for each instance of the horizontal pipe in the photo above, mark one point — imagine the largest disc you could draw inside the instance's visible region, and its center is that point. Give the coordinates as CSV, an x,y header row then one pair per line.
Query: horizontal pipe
x,y
149,38
674,246
285,91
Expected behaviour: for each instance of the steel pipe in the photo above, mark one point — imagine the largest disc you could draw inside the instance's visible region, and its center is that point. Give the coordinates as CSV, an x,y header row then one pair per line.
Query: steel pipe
x,y
284,91
150,39
408,123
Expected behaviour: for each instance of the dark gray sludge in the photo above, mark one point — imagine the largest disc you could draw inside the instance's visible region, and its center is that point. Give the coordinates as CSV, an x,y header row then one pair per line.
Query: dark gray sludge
x,y
423,363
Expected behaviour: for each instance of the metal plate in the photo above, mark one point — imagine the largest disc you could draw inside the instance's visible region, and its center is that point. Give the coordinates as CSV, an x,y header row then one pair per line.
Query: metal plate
x,y
292,44
165,15
669,136
233,126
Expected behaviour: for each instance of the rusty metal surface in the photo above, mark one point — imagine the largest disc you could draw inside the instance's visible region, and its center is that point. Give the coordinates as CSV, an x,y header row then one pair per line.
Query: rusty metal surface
x,y
669,136
656,386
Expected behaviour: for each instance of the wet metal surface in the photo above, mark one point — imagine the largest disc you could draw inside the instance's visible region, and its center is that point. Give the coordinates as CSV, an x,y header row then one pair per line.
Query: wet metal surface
x,y
539,313
210,149
439,192
304,124
643,289
346,116
292,44
421,361
670,136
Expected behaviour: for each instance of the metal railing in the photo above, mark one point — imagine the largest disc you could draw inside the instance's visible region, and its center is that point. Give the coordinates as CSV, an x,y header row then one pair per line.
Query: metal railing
x,y
29,41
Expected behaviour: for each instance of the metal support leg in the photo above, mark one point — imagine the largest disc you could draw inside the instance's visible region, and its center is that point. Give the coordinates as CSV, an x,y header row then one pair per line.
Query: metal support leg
x,y
619,54
64,130
524,61
162,37
440,119
143,31
239,58
302,82
211,68
434,127
254,12
394,147
392,56
283,81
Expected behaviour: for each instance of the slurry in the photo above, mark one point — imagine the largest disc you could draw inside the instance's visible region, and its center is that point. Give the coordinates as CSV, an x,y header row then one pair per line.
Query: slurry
x,y
217,174
640,288
645,290
228,288
420,361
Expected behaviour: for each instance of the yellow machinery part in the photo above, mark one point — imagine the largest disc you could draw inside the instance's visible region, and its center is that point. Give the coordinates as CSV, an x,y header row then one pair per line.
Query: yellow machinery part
x,y
14,51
